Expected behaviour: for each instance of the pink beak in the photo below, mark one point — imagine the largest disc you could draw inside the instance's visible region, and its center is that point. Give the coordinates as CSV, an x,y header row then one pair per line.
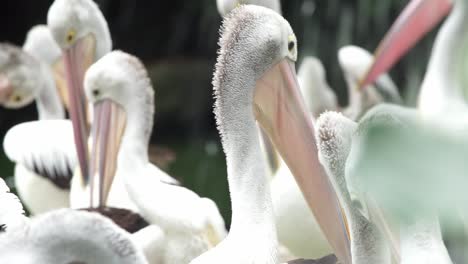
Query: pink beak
x,y
416,20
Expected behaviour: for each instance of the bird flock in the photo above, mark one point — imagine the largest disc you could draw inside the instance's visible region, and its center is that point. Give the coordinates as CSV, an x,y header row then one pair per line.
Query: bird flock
x,y
310,180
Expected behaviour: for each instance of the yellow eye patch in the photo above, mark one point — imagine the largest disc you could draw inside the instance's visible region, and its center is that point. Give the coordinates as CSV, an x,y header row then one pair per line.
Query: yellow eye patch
x,y
70,36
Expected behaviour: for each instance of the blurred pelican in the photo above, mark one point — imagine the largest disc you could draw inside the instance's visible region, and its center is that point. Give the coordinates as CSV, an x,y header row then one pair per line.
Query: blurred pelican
x,y
318,96
354,62
41,185
389,161
255,81
81,31
443,88
122,95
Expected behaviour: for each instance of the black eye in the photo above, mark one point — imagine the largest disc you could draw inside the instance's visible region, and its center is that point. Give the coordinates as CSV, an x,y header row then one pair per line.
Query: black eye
x,y
17,98
291,45
96,92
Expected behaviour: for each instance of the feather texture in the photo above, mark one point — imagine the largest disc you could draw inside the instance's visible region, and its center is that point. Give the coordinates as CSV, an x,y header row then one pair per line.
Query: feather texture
x,y
11,209
45,147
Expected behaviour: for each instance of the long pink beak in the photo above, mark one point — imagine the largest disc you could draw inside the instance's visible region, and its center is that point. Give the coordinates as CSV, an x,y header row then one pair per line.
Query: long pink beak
x,y
76,61
106,131
6,89
416,20
280,110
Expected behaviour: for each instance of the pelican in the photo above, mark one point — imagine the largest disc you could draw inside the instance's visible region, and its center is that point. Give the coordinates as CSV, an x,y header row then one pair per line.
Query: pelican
x,y
61,236
120,90
68,236
254,82
442,89
400,175
290,208
354,62
225,6
80,30
40,186
315,89
334,136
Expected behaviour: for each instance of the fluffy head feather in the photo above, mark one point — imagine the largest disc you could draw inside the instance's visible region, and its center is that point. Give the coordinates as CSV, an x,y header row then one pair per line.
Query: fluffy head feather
x,y
82,17
41,44
225,6
334,134
23,72
122,78
253,39
68,236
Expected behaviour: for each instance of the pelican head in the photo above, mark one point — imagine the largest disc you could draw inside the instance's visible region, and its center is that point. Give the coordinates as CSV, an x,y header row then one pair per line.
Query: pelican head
x,y
40,44
355,62
65,237
107,85
225,6
20,75
418,18
81,31
255,81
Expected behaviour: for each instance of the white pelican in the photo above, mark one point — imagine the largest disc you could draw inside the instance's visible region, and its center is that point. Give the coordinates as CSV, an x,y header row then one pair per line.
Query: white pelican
x,y
290,208
61,236
318,95
443,86
123,99
255,82
68,236
334,135
225,6
354,62
389,159
81,31
41,186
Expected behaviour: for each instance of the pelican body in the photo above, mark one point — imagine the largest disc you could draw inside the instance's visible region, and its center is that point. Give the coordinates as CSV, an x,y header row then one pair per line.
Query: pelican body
x,y
123,100
255,82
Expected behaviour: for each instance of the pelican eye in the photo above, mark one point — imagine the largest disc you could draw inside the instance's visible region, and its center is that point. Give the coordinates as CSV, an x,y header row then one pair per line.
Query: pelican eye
x,y
291,45
96,92
70,36
17,98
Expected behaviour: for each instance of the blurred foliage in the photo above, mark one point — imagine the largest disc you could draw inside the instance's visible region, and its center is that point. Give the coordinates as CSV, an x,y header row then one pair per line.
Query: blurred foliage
x,y
178,41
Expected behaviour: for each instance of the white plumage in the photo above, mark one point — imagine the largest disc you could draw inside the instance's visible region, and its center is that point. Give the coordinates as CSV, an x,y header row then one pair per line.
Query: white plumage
x,y
11,209
190,224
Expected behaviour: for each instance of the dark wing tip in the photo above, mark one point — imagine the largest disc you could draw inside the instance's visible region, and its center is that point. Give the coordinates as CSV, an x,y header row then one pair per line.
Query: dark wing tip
x,y
330,259
129,221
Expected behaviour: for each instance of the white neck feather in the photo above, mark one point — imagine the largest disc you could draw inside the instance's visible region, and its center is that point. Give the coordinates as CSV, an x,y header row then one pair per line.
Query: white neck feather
x,y
49,105
252,210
